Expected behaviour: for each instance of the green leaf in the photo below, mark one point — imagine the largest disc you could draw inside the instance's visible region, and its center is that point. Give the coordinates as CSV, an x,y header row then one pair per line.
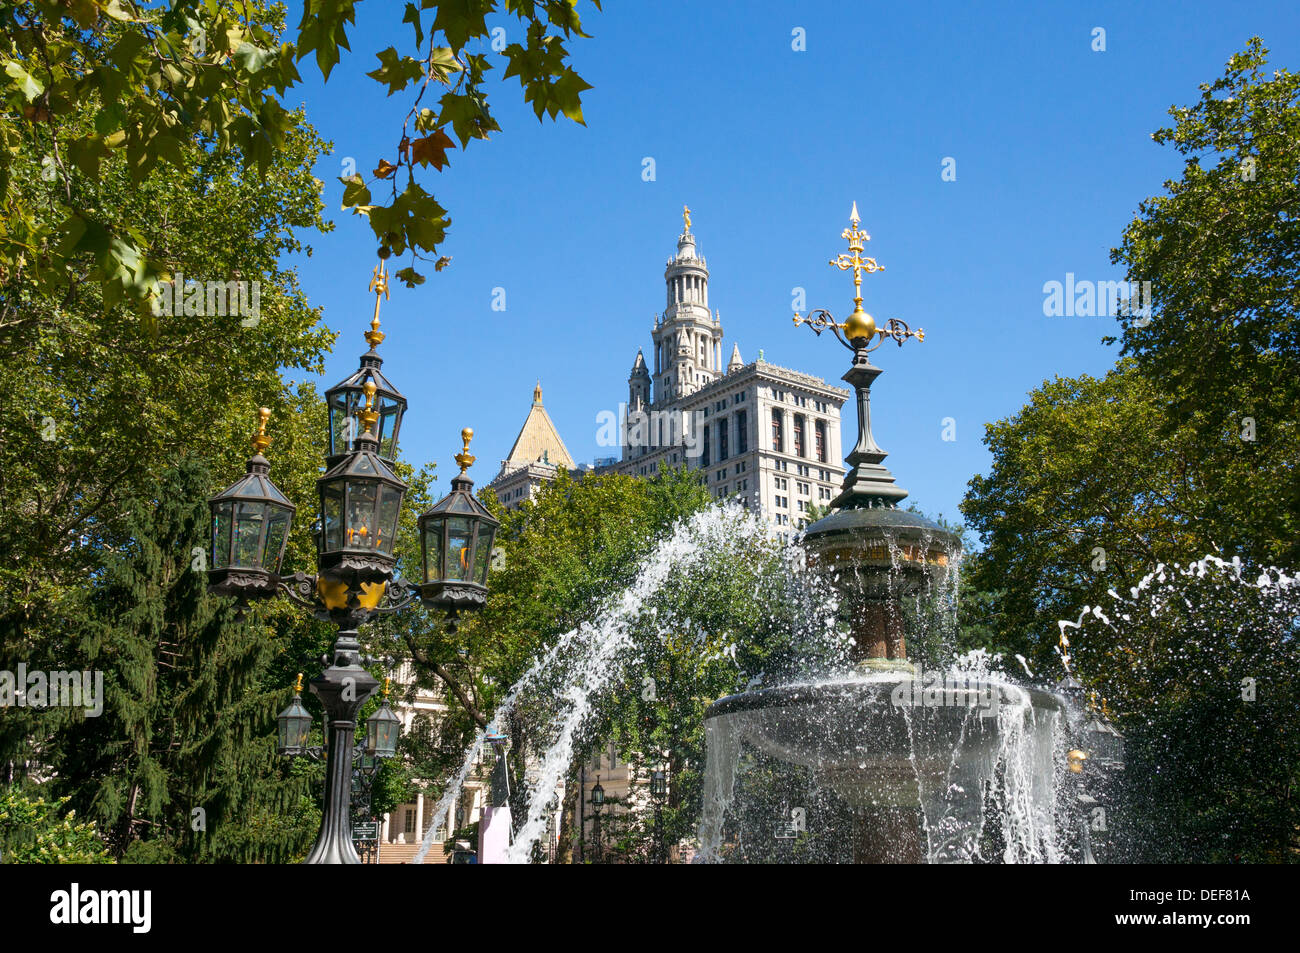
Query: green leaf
x,y
461,19
412,16
567,92
443,64
354,191
253,58
24,82
396,71
410,277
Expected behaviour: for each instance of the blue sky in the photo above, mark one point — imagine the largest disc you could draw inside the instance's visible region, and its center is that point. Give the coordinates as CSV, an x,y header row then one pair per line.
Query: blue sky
x,y
770,146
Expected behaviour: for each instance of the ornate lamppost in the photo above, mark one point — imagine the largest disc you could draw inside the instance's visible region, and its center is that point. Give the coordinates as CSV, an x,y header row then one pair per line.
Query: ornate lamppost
x,y
360,499
659,791
597,802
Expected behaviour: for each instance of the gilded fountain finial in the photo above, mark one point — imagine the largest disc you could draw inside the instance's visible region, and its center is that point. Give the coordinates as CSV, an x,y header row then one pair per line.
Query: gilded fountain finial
x,y
860,330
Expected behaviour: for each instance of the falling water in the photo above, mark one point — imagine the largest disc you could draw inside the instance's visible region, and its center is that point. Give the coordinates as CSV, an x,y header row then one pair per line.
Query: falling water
x,y
587,659
957,761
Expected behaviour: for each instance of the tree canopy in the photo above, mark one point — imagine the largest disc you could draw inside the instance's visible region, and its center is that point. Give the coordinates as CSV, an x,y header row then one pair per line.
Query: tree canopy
x,y
92,80
1187,447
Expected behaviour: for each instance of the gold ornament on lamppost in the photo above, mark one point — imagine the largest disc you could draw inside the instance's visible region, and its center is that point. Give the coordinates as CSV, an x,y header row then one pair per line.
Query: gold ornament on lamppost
x,y
261,441
379,285
465,459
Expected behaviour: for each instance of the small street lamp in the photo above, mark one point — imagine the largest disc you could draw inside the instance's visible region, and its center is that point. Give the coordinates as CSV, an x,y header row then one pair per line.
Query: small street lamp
x,y
360,501
659,791
597,801
382,729
293,725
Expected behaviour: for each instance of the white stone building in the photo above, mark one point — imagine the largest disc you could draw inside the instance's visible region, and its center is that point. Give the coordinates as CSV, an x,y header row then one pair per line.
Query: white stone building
x,y
765,434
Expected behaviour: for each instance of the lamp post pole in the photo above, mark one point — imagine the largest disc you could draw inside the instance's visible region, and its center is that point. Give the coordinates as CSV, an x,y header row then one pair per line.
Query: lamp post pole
x,y
658,789
597,799
582,814
342,689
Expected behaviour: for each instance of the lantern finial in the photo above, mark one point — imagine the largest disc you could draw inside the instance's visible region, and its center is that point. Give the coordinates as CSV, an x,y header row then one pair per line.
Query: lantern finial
x,y
465,459
297,687
261,441
369,416
379,285
386,682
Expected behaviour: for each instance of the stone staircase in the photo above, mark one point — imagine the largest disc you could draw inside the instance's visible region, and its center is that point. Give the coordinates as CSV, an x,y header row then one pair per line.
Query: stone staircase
x,y
405,853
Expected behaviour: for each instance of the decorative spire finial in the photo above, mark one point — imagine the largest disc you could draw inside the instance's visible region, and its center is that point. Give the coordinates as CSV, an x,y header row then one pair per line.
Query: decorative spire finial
x,y
863,325
465,459
537,393
686,217
859,331
379,285
368,416
297,688
262,441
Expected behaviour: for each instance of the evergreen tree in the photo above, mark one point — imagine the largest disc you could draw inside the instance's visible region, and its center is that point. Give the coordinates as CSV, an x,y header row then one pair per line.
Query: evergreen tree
x,y
181,764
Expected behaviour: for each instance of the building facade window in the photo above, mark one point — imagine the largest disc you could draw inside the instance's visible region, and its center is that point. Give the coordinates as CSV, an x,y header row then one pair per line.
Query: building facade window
x,y
798,435
820,446
778,430
722,438
742,432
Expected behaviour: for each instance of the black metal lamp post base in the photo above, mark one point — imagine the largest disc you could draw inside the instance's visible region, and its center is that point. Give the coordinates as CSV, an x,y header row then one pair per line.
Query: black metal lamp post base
x,y
342,689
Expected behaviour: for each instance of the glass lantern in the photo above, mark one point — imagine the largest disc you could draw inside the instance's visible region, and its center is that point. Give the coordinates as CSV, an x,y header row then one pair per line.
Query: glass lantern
x,y
456,536
294,725
249,529
597,794
658,784
360,498
347,399
382,729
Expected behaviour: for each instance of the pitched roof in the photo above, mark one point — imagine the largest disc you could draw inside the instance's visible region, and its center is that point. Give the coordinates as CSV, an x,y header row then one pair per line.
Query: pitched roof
x,y
538,440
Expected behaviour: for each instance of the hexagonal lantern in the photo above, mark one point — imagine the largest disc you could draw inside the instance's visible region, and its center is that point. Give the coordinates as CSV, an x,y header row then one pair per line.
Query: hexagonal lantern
x,y
250,526
382,729
293,725
360,500
456,536
347,399
658,784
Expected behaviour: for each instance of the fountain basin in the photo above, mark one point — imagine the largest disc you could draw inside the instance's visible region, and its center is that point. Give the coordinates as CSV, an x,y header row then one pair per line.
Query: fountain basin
x,y
914,758
877,740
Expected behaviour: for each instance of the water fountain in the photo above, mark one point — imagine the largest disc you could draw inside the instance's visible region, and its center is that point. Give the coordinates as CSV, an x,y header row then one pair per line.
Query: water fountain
x,y
898,764
916,760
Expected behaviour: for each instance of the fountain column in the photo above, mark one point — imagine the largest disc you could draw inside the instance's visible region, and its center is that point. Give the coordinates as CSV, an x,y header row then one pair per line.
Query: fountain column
x,y
876,554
